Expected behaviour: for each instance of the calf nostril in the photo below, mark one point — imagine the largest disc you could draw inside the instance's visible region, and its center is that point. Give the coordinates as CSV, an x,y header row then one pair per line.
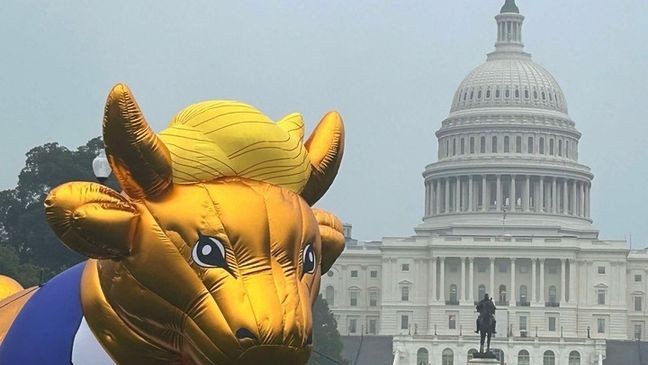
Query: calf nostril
x,y
242,333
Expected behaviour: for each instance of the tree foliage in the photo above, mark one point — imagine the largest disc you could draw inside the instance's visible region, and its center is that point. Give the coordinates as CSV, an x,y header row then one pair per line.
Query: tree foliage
x,y
326,338
27,244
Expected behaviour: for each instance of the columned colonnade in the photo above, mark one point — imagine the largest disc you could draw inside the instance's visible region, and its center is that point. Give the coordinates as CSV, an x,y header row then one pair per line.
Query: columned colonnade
x,y
536,292
518,193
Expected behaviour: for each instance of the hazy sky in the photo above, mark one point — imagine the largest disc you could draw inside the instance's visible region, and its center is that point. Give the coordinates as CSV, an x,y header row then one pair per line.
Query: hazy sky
x,y
390,67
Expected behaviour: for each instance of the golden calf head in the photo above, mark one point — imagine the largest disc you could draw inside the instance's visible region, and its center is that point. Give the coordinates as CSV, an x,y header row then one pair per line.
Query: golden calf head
x,y
197,262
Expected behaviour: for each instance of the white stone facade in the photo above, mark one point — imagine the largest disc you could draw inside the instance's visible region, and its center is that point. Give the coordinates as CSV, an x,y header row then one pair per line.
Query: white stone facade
x,y
507,212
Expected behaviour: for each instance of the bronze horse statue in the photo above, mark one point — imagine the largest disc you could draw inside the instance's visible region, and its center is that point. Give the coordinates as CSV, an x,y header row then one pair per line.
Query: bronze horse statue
x,y
485,322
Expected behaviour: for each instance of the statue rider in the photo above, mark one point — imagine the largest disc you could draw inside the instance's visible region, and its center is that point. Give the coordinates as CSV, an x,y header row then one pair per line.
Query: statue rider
x,y
486,308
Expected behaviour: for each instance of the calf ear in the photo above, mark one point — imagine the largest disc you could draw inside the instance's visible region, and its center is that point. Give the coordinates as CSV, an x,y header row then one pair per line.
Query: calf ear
x,y
332,235
92,219
325,149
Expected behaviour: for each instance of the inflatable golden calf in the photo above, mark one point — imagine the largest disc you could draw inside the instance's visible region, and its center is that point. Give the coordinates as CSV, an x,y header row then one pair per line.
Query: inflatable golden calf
x,y
212,253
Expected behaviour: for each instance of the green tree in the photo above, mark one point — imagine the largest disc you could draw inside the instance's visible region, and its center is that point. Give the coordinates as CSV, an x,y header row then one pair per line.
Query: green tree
x,y
327,344
23,228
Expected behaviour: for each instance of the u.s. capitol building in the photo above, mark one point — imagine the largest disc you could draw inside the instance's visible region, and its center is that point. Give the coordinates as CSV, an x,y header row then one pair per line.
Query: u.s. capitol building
x,y
507,212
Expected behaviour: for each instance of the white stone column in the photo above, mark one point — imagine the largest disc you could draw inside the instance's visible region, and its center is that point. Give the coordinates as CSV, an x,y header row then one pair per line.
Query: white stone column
x,y
534,278
542,284
427,198
492,277
563,282
582,202
471,195
471,280
512,290
527,193
554,196
442,279
447,196
499,193
573,200
541,198
485,202
462,293
565,197
458,195
433,280
572,281
437,184
512,194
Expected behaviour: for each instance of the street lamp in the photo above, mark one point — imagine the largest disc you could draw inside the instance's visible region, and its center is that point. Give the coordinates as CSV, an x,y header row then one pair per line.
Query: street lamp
x,y
101,167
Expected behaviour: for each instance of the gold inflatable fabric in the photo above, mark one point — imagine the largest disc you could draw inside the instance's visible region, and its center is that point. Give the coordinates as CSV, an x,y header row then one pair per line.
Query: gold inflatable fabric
x,y
210,255
8,287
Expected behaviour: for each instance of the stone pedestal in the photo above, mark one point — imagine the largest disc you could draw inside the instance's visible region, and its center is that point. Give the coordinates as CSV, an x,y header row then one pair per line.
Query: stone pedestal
x,y
483,362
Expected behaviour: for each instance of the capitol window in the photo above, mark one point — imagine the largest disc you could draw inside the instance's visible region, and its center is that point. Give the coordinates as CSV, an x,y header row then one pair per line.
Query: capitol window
x,y
637,331
405,293
530,145
405,267
472,145
541,146
548,358
506,144
574,358
551,324
452,322
353,298
523,357
354,273
373,274
637,278
488,94
638,301
517,93
353,325
463,146
507,93
454,146
482,145
479,94
551,147
601,269
518,144
600,296
600,325
494,144
560,149
526,94
404,322
497,93
447,357
373,299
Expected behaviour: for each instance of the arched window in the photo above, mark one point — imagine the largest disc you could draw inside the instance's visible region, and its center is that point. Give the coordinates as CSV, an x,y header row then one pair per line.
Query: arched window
x,y
541,146
574,358
405,293
453,293
454,146
517,93
497,93
482,145
494,144
535,94
463,146
507,92
447,357
523,294
471,353
506,144
465,95
472,93
530,145
479,94
544,96
481,292
560,147
518,144
548,358
552,294
472,145
422,357
447,148
526,94
330,296
551,147
488,94
502,293
567,149
523,357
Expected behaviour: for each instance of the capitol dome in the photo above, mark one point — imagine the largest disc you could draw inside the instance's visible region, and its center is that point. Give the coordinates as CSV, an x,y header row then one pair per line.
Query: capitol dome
x,y
510,81
508,151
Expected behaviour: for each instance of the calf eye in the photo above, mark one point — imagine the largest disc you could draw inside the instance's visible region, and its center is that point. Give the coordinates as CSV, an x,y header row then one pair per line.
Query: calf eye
x,y
209,252
309,259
